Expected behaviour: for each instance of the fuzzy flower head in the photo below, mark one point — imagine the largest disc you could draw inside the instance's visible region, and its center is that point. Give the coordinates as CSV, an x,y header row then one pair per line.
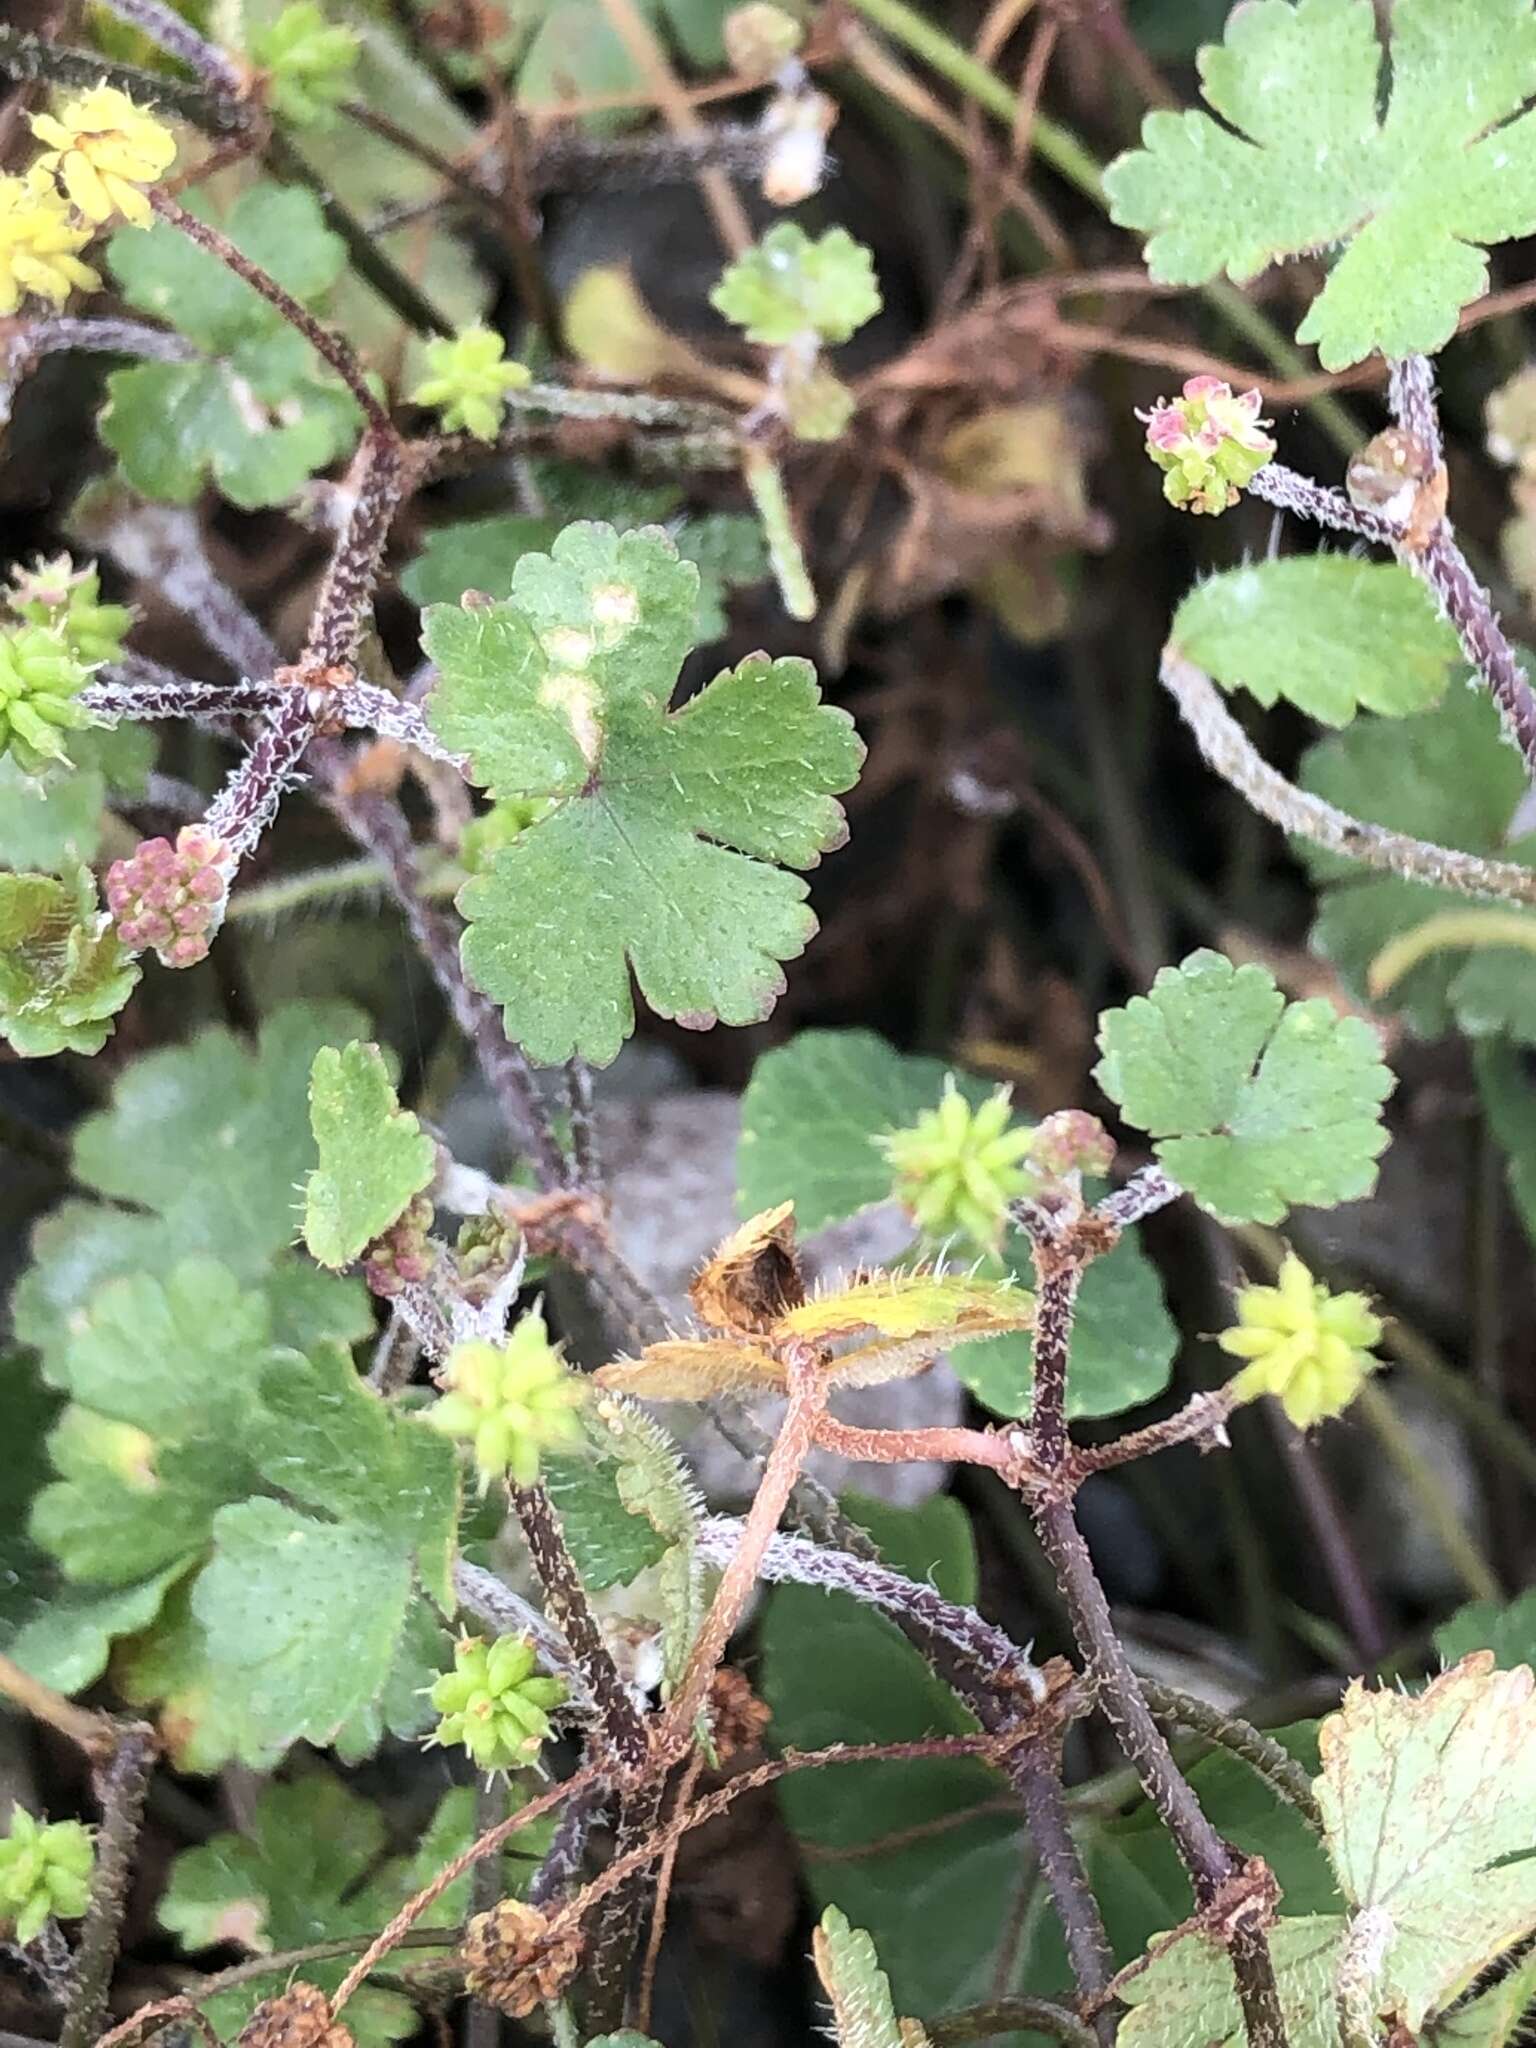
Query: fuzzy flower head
x,y
40,242
495,1702
104,150
1309,1347
55,593
470,381
172,898
957,1168
510,1401
45,1872
308,63
1209,443
40,683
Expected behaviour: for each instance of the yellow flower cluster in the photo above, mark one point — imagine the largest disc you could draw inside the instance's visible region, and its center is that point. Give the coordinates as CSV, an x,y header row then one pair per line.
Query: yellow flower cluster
x,y
100,152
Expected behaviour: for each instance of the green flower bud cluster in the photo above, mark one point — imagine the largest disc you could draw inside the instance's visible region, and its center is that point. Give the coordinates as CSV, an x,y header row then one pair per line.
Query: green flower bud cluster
x,y
957,1168
1309,1347
469,381
57,594
40,683
495,1702
45,1872
510,1402
308,63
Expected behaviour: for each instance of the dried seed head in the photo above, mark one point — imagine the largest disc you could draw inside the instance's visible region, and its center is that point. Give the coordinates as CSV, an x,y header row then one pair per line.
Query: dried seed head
x,y
299,2017
737,1717
517,1958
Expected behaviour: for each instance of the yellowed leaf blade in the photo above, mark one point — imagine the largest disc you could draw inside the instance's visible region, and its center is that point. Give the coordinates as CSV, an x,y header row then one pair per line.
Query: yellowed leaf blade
x,y
693,1369
944,1307
1429,1807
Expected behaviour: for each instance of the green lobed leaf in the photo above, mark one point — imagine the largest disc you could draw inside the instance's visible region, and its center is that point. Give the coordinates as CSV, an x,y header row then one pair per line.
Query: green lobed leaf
x,y
788,285
63,974
257,413
309,1869
1493,2018
1429,1812
1327,632
810,1117
69,1639
1254,1105
210,1144
482,554
162,1379
665,850
862,2013
374,1156
1448,776
1307,160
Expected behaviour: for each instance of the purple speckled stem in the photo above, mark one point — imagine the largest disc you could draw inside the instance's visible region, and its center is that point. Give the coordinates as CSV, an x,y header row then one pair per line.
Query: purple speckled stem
x,y
135,688
177,37
1411,394
378,477
30,341
1290,491
1143,1195
248,802
1470,610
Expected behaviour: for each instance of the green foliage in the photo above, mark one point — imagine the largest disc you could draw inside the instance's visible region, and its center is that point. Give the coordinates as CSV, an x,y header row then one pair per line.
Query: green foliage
x,y
63,974
1327,632
1307,160
1508,1630
860,1991
815,1116
309,1869
308,63
1254,1104
161,1378
482,554
45,1873
1188,1993
788,285
202,1149
257,413
52,827
374,1156
1509,1103
1446,776
562,692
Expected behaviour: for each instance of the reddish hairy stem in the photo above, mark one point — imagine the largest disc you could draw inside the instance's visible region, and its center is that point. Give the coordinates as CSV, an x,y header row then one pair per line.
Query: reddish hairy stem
x,y
902,1446
807,1400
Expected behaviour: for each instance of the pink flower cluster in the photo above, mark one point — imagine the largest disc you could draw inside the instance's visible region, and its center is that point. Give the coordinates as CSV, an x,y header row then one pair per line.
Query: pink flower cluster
x,y
401,1256
1070,1141
1209,443
171,898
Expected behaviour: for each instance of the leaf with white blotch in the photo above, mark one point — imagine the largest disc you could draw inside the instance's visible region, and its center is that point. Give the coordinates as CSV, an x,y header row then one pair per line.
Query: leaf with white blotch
x,y
374,1155
1309,160
1327,632
667,845
862,2013
1255,1105
1429,1813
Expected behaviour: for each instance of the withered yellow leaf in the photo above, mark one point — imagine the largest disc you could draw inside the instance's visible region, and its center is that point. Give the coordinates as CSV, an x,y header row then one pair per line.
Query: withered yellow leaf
x,y
753,1277
943,1307
694,1369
